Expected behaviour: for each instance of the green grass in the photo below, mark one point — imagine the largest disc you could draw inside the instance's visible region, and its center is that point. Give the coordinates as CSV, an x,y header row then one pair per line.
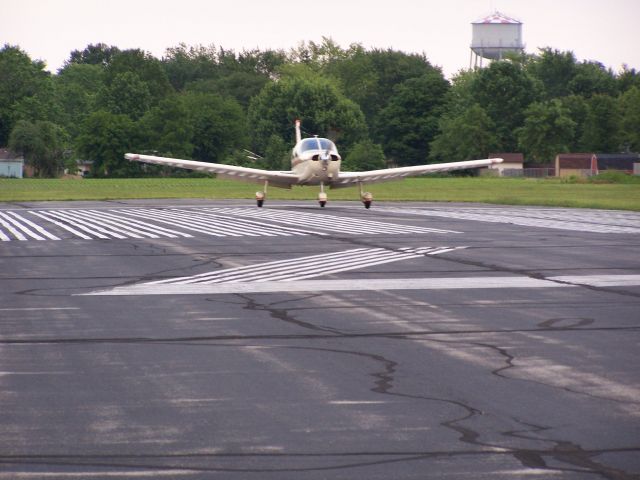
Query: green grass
x,y
508,191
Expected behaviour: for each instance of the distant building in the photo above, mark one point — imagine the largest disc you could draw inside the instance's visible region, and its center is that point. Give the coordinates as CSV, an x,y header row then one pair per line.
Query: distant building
x,y
11,164
512,165
617,161
84,167
582,164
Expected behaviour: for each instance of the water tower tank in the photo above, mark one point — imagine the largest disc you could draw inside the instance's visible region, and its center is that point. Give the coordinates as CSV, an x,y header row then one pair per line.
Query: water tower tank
x,y
495,35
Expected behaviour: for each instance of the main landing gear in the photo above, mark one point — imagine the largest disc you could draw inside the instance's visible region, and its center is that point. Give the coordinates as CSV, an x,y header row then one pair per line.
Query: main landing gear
x,y
366,197
261,196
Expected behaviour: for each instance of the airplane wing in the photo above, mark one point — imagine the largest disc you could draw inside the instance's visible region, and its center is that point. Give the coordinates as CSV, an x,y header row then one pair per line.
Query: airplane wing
x,y
347,179
257,175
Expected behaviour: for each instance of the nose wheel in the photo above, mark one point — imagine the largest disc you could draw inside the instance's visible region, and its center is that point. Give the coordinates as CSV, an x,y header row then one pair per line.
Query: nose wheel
x,y
322,197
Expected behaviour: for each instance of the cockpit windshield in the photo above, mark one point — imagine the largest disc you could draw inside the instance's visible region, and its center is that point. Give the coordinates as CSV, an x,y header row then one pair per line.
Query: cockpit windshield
x,y
317,144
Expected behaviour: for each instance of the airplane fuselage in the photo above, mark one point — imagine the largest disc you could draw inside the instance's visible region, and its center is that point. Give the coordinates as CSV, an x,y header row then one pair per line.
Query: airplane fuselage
x,y
315,161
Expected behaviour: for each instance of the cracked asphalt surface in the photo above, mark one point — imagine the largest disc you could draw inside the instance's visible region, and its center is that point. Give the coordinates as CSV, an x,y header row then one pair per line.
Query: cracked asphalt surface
x,y
468,383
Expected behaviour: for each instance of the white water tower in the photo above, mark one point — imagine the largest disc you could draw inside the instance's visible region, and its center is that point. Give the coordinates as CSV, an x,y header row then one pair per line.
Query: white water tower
x,y
493,36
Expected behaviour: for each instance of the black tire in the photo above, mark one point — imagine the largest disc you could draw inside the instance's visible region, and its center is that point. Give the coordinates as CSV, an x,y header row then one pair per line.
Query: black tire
x,y
260,202
322,203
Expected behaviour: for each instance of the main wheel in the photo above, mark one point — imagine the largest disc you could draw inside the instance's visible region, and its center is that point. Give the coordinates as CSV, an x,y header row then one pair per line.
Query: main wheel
x,y
260,202
367,204
323,203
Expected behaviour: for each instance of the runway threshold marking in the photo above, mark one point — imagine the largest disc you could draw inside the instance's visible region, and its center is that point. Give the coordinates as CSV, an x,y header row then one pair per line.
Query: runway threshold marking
x,y
307,267
561,219
455,283
123,223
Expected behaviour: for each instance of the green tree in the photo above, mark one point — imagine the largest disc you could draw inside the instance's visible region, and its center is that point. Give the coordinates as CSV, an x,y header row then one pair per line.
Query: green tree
x,y
629,108
409,122
104,139
576,107
466,135
364,155
184,64
126,95
316,100
42,144
76,87
602,124
94,54
367,77
592,78
241,86
276,154
218,126
555,70
504,90
147,68
547,131
169,129
628,77
22,85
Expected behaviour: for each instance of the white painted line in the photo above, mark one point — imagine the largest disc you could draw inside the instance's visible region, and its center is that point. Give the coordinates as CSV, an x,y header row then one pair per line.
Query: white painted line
x,y
261,225
333,223
67,216
147,226
9,227
34,226
308,267
252,269
80,216
17,309
595,221
464,283
600,280
46,216
337,286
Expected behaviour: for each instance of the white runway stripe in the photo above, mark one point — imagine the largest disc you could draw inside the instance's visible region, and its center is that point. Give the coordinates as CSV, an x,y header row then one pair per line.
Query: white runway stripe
x,y
332,223
215,225
88,226
182,222
36,227
115,225
448,283
46,216
560,219
10,228
306,267
139,226
261,225
254,270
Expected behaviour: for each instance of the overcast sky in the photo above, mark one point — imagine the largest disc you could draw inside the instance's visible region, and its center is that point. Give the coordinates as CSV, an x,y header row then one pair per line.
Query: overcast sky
x,y
602,30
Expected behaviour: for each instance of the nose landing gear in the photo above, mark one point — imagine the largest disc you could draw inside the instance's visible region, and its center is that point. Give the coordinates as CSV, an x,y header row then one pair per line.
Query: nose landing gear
x,y
322,197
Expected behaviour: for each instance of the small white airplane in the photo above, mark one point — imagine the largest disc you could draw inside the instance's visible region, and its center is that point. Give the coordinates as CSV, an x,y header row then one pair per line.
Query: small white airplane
x,y
314,161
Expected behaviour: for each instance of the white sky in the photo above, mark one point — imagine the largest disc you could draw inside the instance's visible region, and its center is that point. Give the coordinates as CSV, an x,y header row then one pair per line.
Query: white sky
x,y
603,30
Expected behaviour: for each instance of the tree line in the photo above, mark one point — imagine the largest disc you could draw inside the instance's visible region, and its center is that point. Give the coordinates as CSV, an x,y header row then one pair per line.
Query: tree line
x,y
382,106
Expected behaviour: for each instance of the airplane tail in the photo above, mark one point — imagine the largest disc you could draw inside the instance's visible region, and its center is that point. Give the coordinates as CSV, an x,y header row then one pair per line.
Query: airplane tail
x,y
298,133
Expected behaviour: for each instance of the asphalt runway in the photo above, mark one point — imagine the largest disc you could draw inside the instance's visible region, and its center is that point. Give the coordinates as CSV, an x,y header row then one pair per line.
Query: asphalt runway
x,y
210,339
